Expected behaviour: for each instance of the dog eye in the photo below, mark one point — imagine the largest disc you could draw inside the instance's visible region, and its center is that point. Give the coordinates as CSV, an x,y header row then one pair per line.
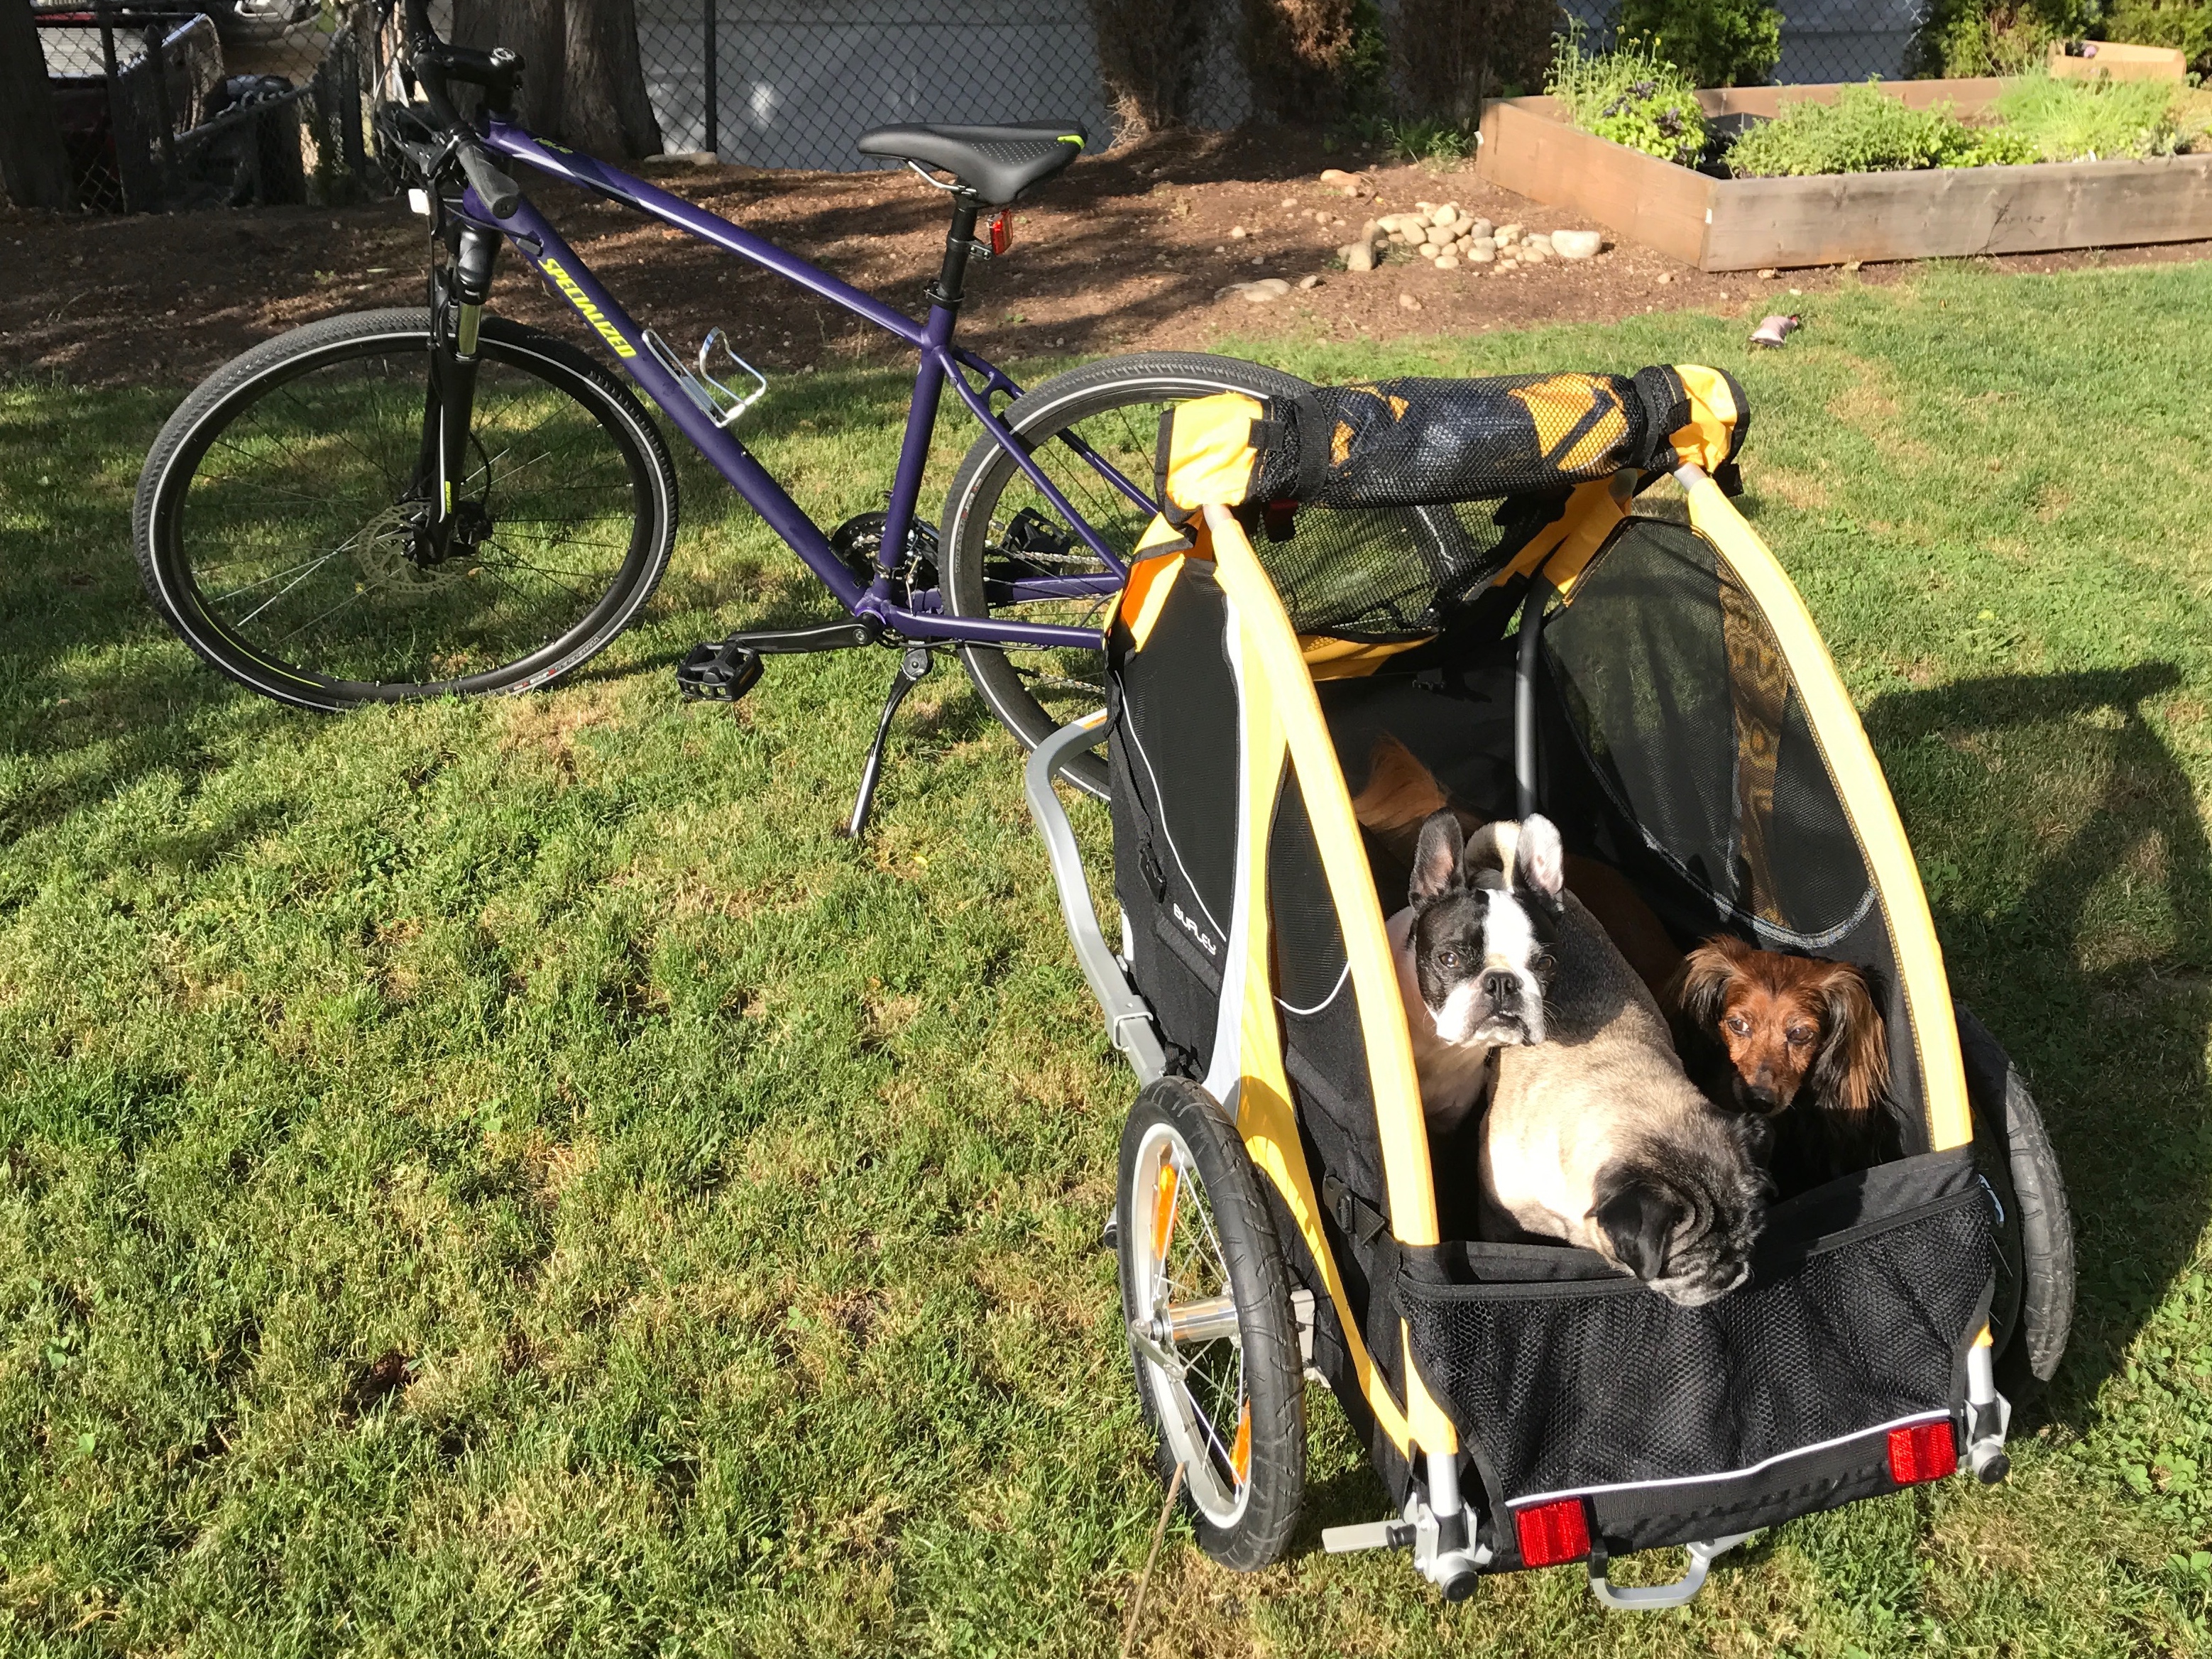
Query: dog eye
x,y
1801,1036
1739,1024
1447,958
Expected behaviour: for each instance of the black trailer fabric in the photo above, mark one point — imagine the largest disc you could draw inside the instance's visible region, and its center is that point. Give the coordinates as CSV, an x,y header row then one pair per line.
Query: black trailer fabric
x,y
1172,762
1565,1376
1673,745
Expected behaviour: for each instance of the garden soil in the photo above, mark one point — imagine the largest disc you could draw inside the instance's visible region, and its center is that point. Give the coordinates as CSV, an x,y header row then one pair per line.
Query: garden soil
x,y
1128,252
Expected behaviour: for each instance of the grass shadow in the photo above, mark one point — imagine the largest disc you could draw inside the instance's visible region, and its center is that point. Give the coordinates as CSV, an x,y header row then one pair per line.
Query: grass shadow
x,y
2068,871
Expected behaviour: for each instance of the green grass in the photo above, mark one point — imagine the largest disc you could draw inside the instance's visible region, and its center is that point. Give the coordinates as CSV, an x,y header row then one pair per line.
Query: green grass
x,y
504,1177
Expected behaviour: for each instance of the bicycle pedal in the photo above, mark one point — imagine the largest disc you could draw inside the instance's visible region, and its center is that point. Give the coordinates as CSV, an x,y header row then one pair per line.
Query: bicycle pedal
x,y
719,671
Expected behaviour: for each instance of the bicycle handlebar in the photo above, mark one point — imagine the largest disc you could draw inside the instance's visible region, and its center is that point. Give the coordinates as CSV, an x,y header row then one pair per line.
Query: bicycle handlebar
x,y
429,58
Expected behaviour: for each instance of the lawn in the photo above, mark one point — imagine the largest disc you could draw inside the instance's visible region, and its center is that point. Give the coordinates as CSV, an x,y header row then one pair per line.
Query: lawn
x,y
506,1178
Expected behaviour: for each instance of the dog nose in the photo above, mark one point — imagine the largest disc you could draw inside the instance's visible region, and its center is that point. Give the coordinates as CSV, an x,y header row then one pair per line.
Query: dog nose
x,y
1502,989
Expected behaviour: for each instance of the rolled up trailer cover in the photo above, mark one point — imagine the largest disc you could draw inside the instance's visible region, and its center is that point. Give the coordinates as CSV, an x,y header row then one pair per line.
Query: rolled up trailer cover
x,y
1243,683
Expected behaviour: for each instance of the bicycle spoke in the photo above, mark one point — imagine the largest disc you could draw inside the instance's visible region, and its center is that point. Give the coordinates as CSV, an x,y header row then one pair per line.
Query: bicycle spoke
x,y
550,500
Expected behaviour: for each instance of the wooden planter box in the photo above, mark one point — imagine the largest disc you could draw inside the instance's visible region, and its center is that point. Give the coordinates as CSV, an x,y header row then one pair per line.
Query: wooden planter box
x,y
1743,224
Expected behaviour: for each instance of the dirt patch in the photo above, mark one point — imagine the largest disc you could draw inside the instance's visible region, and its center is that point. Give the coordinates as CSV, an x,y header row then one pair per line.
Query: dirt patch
x,y
1125,253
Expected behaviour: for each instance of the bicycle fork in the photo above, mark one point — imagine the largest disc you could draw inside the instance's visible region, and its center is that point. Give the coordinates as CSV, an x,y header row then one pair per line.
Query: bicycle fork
x,y
449,404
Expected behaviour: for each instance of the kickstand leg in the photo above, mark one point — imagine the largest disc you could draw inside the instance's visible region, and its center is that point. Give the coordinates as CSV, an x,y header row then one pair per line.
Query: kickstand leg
x,y
914,666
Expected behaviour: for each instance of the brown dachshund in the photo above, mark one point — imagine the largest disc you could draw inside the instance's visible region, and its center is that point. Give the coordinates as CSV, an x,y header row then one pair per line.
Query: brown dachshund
x,y
1795,1040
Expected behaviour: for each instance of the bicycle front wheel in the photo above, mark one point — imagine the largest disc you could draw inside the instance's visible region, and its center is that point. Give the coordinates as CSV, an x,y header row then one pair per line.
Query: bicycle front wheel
x,y
1012,556
277,516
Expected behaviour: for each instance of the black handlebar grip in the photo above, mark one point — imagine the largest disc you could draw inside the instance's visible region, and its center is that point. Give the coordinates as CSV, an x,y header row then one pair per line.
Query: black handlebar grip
x,y
498,193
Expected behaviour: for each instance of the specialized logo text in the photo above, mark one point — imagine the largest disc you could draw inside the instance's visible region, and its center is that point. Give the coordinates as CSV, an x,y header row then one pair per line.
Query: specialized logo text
x,y
574,295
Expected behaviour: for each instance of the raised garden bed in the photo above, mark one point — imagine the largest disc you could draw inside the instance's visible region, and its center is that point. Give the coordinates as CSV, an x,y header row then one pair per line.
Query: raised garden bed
x,y
1743,224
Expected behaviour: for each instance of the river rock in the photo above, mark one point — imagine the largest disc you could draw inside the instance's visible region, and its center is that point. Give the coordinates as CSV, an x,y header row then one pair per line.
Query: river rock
x,y
1260,292
1358,256
1407,302
1448,262
1508,235
1576,244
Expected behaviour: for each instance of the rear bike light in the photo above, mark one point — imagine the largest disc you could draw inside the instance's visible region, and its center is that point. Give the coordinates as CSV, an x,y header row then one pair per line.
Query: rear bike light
x,y
1553,1533
1926,1451
1002,230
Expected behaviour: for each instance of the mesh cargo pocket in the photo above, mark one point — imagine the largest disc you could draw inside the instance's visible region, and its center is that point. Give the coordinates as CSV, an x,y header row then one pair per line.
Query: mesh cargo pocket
x,y
1565,1376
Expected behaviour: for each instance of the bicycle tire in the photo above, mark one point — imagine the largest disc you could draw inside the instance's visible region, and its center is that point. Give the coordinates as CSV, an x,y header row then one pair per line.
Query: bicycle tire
x,y
1245,1518
1037,417
166,564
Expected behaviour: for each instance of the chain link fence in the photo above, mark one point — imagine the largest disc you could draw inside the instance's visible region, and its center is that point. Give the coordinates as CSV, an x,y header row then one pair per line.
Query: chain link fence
x,y
172,106
175,104
794,83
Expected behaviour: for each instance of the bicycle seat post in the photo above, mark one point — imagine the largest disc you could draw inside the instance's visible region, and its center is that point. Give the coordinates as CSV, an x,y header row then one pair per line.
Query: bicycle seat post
x,y
944,297
959,242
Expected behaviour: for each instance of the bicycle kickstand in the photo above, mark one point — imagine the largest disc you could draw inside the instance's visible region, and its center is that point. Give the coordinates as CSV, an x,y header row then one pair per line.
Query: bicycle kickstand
x,y
913,667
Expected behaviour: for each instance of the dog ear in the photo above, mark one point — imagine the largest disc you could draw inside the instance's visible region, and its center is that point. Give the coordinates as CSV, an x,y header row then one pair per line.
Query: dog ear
x,y
1540,858
1640,1220
1853,1068
1437,860
1700,986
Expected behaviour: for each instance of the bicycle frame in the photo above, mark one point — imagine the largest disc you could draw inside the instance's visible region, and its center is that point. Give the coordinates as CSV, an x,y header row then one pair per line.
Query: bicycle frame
x,y
922,617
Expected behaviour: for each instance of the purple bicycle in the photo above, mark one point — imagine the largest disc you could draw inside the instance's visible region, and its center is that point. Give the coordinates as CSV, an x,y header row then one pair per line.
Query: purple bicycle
x,y
394,504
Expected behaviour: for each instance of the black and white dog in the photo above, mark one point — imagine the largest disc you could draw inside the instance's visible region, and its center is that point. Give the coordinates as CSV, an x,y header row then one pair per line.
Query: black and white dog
x,y
1472,947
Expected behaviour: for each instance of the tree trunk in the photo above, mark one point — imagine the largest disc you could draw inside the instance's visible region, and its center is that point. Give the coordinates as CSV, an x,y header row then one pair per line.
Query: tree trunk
x,y
606,111
34,168
583,84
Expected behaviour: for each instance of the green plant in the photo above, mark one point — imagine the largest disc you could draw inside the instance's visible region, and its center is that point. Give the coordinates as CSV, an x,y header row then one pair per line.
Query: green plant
x,y
2001,40
1439,143
1631,96
2091,120
1719,43
1866,131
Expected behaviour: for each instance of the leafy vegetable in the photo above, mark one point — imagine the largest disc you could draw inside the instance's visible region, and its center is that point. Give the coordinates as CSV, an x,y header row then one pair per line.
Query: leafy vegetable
x,y
1631,96
1865,130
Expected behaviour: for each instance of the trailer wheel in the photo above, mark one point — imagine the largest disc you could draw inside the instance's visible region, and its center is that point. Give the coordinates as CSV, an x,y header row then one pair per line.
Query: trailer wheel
x,y
1205,1298
2032,1317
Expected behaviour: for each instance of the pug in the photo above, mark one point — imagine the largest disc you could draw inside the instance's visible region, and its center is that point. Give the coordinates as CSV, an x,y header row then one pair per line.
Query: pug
x,y
1597,1136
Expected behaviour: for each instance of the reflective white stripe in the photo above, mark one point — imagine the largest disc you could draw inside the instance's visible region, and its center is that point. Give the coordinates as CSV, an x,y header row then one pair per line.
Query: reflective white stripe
x,y
1324,1002
1227,1069
1731,1474
1160,795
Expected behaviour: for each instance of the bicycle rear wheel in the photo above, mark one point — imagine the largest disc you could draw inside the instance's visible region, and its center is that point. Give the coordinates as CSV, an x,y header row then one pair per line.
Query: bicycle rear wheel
x,y
277,513
999,528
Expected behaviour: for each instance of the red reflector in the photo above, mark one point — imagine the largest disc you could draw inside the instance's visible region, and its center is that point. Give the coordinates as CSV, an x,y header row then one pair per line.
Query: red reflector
x,y
1553,1533
1002,230
1926,1451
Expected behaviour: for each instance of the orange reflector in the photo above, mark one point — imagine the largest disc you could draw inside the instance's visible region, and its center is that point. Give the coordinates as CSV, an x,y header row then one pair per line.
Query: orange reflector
x,y
1002,230
1240,1453
1164,1209
1926,1451
1553,1533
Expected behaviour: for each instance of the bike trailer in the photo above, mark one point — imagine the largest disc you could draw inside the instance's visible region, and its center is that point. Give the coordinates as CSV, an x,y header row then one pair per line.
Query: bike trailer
x,y
1470,566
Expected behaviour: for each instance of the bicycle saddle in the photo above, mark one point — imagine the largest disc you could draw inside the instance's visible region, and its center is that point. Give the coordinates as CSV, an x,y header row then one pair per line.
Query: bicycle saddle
x,y
997,163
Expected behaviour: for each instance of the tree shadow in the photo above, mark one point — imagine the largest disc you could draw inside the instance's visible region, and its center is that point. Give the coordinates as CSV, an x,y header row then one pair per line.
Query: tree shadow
x,y
2068,869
